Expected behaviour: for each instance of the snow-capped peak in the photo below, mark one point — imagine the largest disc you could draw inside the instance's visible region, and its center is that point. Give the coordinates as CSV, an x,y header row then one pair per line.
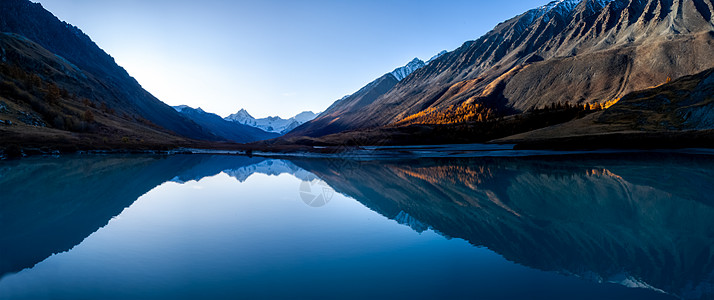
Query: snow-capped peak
x,y
305,116
561,7
272,124
565,7
436,56
403,72
242,116
181,108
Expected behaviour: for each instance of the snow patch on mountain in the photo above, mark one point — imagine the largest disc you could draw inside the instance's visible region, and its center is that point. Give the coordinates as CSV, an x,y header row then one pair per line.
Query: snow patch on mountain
x,y
242,116
433,58
403,72
186,108
560,7
305,116
416,64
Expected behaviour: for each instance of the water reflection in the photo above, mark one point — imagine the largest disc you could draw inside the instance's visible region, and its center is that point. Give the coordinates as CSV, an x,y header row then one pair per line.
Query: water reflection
x,y
642,221
639,220
49,205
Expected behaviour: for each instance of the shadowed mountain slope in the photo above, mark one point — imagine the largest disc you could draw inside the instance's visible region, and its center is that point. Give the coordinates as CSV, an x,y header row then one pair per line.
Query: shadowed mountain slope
x,y
46,101
104,81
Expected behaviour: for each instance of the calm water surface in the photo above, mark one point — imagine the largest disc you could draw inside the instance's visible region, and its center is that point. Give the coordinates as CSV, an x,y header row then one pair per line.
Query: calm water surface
x,y
615,226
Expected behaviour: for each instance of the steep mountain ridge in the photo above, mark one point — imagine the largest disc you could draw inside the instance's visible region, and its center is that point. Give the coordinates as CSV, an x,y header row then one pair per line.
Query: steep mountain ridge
x,y
111,84
402,72
48,102
329,121
589,51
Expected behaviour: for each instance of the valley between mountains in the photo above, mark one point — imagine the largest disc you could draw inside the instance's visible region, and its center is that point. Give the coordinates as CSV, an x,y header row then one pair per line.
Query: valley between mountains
x,y
571,74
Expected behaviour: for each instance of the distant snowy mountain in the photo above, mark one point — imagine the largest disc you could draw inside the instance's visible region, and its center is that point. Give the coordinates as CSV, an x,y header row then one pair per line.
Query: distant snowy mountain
x,y
272,124
403,72
243,117
305,116
221,128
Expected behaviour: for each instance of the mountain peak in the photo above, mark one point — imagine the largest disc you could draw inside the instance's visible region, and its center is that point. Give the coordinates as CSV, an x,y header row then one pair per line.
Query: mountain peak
x,y
242,116
433,58
181,108
273,124
402,72
304,116
244,112
186,108
560,6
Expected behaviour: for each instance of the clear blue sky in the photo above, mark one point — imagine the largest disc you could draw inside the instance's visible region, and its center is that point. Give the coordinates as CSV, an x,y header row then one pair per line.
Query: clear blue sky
x,y
274,57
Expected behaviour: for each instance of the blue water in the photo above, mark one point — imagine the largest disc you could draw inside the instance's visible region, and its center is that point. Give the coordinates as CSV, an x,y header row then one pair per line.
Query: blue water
x,y
611,226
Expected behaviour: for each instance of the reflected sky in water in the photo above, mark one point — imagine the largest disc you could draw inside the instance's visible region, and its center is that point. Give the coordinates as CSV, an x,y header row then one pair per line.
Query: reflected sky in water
x,y
186,227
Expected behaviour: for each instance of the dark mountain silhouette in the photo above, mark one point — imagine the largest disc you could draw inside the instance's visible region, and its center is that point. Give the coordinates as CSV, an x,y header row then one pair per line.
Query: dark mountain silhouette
x,y
50,206
90,72
47,101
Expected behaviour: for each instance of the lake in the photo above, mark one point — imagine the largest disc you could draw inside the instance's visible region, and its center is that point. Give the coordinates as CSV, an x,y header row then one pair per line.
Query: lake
x,y
595,226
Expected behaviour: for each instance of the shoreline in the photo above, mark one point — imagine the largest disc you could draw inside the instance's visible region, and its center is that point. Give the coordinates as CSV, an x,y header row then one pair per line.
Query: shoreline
x,y
373,152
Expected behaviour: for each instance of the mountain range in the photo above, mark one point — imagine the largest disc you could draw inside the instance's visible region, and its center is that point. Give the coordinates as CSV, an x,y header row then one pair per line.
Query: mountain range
x,y
565,71
85,69
328,121
272,124
60,91
232,131
575,52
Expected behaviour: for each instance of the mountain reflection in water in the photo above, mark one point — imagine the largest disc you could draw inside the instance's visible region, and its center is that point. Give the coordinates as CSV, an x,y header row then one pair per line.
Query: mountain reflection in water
x,y
639,220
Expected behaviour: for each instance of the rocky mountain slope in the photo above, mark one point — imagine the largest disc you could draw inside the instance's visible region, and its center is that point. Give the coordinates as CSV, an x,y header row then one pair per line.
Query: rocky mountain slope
x,y
89,71
683,107
578,52
232,131
329,121
46,101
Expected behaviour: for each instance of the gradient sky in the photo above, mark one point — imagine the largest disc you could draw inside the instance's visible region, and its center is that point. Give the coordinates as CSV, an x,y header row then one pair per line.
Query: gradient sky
x,y
274,57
